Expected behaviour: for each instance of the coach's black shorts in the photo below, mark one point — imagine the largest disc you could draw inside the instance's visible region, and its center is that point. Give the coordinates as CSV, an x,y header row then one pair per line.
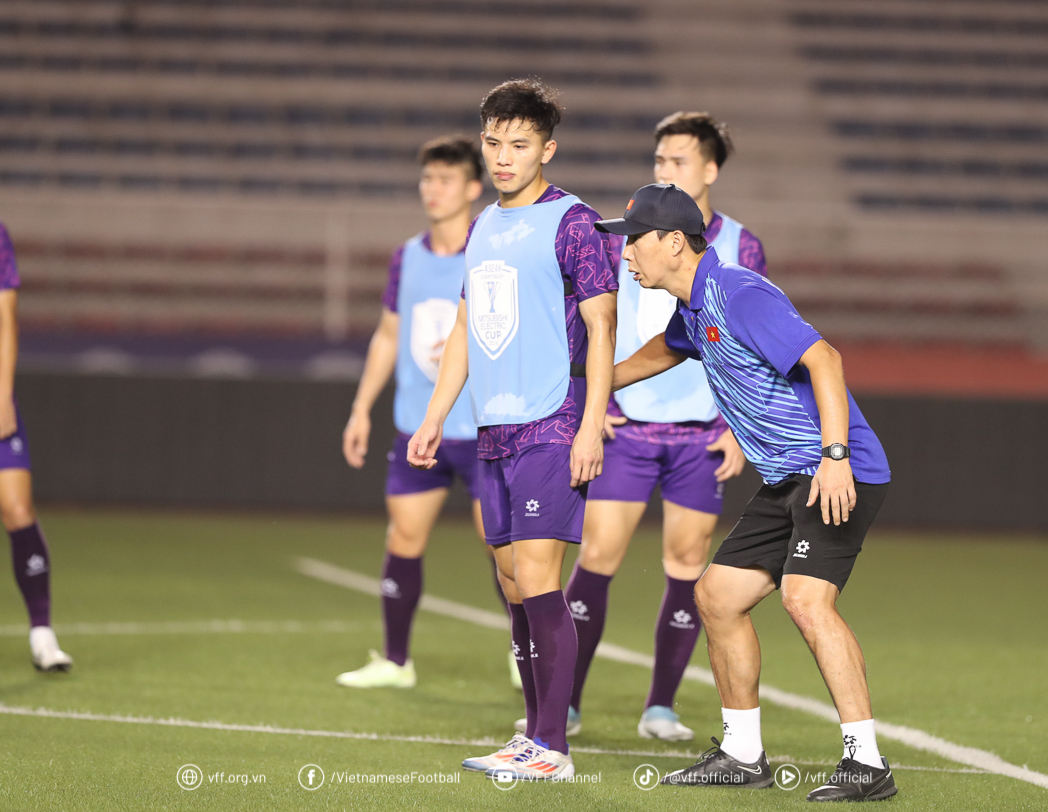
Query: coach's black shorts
x,y
779,533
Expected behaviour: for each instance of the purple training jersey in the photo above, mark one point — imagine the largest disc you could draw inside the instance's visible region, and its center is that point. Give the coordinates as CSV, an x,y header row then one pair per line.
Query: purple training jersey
x,y
751,255
9,278
589,261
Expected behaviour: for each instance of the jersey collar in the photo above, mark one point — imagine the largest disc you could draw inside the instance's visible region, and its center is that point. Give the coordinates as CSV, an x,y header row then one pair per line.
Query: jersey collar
x,y
698,287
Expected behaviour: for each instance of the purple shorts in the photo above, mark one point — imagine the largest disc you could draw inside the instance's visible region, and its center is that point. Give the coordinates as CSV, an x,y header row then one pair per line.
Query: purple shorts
x,y
14,450
528,495
632,469
453,457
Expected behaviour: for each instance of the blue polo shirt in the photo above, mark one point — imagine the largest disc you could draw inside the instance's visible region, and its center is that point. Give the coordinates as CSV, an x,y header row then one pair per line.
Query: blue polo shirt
x,y
749,337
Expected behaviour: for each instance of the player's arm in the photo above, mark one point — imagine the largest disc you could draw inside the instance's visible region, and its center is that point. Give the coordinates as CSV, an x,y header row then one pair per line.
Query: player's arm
x,y
587,449
378,368
650,360
454,368
8,360
833,480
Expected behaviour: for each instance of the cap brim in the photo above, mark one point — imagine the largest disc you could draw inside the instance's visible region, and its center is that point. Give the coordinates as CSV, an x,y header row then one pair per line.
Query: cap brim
x,y
622,227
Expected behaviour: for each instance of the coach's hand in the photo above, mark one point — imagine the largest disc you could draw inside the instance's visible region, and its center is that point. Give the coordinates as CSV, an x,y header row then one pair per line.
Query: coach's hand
x,y
610,422
423,445
355,439
734,459
587,455
835,483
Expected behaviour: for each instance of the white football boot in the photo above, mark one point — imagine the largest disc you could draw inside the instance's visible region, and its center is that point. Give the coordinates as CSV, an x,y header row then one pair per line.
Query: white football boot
x,y
515,747
536,764
47,656
379,673
660,722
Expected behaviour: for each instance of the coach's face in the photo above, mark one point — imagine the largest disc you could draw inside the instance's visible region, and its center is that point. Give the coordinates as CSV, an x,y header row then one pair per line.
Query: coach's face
x,y
514,153
648,258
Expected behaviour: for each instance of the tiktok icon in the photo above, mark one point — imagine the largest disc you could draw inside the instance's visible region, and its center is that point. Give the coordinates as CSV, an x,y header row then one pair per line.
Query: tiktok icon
x,y
646,777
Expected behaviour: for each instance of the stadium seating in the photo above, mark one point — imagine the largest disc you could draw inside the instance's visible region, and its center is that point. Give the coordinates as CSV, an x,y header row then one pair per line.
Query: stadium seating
x,y
246,166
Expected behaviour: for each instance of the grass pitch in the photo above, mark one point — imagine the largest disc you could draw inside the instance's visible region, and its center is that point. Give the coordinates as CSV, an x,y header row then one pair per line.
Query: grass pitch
x,y
955,631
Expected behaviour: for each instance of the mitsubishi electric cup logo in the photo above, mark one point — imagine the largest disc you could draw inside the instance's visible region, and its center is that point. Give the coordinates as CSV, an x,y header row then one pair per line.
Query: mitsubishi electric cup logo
x,y
431,323
494,312
682,620
802,549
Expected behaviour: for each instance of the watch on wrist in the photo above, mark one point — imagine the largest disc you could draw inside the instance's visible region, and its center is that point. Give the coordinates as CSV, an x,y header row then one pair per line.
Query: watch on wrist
x,y
837,451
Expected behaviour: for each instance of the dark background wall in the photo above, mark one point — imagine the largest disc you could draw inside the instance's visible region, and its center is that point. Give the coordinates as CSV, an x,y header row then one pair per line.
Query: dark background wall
x,y
277,444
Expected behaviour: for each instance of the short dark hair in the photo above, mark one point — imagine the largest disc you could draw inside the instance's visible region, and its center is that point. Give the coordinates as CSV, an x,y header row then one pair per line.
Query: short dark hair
x,y
696,242
454,150
529,100
714,138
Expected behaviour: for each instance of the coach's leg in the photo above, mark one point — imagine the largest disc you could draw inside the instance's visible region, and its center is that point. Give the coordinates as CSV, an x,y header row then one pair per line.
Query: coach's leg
x,y
606,533
536,571
812,604
411,520
686,536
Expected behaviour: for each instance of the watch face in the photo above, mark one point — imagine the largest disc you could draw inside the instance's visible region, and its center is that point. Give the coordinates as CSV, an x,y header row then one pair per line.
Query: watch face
x,y
837,451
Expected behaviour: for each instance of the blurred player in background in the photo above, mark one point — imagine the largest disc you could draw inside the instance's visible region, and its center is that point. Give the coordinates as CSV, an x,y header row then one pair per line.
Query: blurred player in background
x,y
29,554
535,336
419,307
665,431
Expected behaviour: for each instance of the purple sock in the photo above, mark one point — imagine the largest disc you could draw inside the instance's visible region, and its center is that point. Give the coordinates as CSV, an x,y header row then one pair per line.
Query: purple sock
x,y
33,572
521,634
553,661
587,597
498,587
676,631
401,590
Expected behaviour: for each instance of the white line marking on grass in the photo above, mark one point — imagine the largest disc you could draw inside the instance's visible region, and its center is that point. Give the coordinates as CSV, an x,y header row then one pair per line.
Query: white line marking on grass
x,y
81,716
196,627
911,737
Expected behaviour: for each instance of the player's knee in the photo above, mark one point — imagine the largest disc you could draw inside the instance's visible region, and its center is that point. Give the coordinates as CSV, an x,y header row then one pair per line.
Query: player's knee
x,y
688,555
712,606
18,515
404,541
804,609
597,558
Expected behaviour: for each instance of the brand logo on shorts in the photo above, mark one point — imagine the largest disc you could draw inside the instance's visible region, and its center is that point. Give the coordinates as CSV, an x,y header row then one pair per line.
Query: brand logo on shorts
x,y
516,652
16,445
802,549
533,652
35,565
579,610
532,508
389,588
681,620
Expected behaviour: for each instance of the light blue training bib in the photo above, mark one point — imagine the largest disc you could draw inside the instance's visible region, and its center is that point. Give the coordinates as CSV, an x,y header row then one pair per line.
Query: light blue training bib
x,y
518,336
683,393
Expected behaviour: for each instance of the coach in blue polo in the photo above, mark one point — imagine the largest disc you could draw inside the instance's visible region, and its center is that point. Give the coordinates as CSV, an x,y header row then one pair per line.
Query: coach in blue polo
x,y
781,388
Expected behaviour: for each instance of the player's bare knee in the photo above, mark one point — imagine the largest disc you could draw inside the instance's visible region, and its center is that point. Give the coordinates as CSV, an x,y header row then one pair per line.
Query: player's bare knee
x,y
806,610
17,515
597,558
404,542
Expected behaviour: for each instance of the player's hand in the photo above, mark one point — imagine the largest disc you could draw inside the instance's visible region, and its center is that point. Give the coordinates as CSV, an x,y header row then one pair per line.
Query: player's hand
x,y
610,422
355,439
836,485
8,418
587,455
423,445
734,459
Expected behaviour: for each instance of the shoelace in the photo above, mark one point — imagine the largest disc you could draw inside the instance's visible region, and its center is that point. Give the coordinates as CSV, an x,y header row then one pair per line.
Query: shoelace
x,y
711,752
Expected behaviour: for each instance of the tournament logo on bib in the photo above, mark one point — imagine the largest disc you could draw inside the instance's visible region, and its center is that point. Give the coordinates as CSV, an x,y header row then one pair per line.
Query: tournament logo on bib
x,y
494,312
655,308
431,323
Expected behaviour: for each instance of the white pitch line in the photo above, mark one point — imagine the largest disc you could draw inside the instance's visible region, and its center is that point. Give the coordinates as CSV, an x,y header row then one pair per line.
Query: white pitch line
x,y
912,737
195,627
81,716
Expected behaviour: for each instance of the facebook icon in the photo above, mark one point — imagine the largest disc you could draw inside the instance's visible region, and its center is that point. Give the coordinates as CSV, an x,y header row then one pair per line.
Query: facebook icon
x,y
311,777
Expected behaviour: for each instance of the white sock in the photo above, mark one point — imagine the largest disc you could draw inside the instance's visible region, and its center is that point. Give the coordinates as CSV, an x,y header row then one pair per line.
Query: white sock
x,y
860,743
742,734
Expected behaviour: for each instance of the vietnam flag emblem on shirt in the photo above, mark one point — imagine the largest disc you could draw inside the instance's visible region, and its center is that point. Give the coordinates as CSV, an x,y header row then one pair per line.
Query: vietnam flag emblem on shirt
x,y
712,333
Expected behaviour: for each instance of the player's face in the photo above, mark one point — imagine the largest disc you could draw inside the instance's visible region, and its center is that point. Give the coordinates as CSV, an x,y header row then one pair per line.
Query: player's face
x,y
446,190
647,258
514,153
679,160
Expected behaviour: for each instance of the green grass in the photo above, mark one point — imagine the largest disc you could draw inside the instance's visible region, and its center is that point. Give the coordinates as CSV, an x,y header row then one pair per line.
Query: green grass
x,y
955,630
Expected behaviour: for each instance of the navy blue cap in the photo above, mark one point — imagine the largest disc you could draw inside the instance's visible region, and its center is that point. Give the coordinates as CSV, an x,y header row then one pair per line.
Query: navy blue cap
x,y
657,207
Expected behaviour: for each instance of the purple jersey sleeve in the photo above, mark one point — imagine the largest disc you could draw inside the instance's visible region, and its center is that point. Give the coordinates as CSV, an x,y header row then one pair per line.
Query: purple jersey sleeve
x,y
9,278
751,253
389,295
766,321
586,255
